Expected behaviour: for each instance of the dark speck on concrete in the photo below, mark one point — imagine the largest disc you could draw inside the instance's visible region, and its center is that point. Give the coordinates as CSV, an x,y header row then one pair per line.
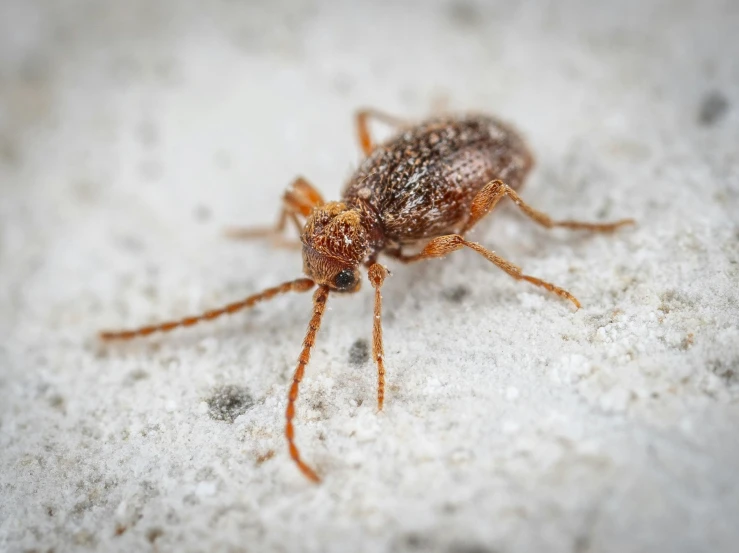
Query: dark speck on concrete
x,y
464,14
202,213
205,474
228,402
57,402
153,533
359,352
727,370
9,151
81,507
415,542
130,243
147,133
456,294
470,548
712,108
136,375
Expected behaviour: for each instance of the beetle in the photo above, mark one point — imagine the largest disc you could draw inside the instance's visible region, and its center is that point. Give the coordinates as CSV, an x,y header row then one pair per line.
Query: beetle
x,y
414,197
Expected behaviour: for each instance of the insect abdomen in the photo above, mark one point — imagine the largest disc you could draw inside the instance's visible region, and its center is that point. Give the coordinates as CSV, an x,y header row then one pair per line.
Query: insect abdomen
x,y
422,182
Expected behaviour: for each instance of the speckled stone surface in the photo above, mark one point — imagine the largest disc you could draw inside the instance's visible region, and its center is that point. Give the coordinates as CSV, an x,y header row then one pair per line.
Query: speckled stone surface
x,y
132,133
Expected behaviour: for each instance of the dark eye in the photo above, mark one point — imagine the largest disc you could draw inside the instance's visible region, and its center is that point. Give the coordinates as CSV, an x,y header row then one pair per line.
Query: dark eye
x,y
344,280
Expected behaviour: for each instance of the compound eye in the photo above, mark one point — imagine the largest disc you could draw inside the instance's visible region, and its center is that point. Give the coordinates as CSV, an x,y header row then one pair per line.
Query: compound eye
x,y
344,280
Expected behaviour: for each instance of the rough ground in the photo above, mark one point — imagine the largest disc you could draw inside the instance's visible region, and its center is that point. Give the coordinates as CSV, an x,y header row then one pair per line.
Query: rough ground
x,y
132,133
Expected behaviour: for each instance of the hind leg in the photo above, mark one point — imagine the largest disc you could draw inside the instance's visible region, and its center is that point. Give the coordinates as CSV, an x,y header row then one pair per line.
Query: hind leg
x,y
362,118
487,198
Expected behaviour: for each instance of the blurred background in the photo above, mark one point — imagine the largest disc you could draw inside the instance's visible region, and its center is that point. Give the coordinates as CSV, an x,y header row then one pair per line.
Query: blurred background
x,y
132,133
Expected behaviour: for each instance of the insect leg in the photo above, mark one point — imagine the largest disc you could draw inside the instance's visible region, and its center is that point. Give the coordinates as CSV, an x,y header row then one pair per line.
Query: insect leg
x,y
319,304
377,274
299,285
443,245
487,198
298,201
362,119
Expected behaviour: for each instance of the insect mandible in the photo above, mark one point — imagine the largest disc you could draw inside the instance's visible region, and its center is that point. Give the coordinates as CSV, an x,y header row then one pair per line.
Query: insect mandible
x,y
424,188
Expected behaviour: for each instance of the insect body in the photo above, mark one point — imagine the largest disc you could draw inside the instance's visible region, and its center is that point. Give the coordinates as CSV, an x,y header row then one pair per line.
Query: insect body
x,y
424,188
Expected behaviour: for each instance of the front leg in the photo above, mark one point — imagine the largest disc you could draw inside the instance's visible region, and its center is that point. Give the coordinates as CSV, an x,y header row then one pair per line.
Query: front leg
x,y
297,203
377,274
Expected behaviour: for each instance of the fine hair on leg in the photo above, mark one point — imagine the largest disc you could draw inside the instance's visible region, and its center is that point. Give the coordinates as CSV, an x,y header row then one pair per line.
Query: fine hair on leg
x,y
377,274
319,304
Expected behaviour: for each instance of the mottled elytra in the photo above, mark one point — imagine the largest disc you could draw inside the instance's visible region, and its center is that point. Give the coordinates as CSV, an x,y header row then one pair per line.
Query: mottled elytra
x,y
413,197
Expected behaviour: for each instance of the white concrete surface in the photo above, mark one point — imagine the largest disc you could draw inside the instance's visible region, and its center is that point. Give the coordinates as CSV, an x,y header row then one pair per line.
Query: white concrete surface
x,y
132,133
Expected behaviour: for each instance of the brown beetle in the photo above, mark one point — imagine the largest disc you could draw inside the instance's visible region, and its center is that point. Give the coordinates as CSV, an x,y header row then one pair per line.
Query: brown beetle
x,y
427,186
